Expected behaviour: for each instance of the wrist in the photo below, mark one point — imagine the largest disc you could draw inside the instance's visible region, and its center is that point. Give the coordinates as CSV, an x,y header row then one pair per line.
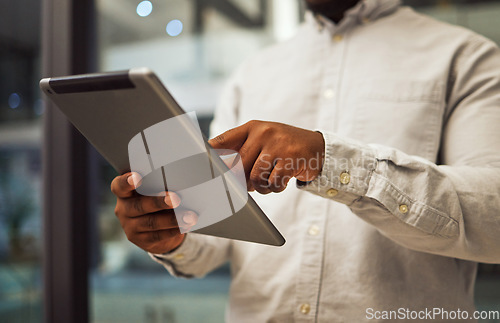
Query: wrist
x,y
319,156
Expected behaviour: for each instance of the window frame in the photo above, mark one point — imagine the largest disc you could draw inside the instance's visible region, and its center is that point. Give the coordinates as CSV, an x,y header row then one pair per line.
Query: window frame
x,y
68,47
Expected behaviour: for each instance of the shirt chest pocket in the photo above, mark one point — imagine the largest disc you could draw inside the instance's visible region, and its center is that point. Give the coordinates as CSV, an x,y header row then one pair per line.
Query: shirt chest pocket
x,y
400,114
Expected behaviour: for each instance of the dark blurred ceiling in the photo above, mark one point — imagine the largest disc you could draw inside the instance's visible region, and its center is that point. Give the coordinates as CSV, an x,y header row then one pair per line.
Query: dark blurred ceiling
x,y
20,19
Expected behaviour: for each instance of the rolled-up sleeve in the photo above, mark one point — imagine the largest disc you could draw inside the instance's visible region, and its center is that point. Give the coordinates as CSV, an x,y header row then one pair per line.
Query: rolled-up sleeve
x,y
451,208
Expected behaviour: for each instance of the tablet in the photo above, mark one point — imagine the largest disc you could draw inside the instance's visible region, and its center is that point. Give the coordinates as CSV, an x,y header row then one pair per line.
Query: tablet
x,y
135,124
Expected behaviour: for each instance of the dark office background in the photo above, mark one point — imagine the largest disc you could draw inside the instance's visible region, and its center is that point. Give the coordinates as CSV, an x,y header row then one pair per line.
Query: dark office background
x,y
79,267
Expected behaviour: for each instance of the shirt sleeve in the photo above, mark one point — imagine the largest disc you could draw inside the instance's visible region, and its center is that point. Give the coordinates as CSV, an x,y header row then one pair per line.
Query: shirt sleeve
x,y
199,254
196,256
451,208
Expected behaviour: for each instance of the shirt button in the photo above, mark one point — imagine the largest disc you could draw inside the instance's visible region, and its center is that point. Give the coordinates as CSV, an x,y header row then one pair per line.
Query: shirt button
x,y
305,308
403,208
332,192
313,230
345,178
179,256
329,93
337,38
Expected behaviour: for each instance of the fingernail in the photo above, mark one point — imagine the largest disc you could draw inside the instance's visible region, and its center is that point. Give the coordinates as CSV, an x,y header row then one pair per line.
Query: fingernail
x,y
189,218
172,200
130,180
134,179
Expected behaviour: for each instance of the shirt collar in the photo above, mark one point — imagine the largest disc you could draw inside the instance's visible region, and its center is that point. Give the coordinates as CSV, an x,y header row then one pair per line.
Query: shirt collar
x,y
364,12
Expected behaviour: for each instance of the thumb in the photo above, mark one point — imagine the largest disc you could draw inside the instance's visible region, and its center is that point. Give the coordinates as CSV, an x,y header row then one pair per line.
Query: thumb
x,y
232,139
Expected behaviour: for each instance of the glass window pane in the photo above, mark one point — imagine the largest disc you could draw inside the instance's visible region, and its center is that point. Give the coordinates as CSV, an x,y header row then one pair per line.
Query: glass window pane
x,y
20,162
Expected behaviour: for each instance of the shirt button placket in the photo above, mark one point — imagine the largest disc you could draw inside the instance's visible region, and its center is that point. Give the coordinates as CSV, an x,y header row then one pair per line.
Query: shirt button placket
x,y
333,57
309,275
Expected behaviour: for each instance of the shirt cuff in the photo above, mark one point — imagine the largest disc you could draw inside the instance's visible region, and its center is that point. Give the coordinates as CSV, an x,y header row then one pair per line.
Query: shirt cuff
x,y
353,170
347,168
175,260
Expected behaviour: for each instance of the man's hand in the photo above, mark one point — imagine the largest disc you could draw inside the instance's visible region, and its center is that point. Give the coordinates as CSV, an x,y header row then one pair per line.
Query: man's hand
x,y
149,221
272,153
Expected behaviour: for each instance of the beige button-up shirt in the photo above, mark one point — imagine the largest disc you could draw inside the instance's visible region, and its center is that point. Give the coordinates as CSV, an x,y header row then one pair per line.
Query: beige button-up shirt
x,y
409,197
